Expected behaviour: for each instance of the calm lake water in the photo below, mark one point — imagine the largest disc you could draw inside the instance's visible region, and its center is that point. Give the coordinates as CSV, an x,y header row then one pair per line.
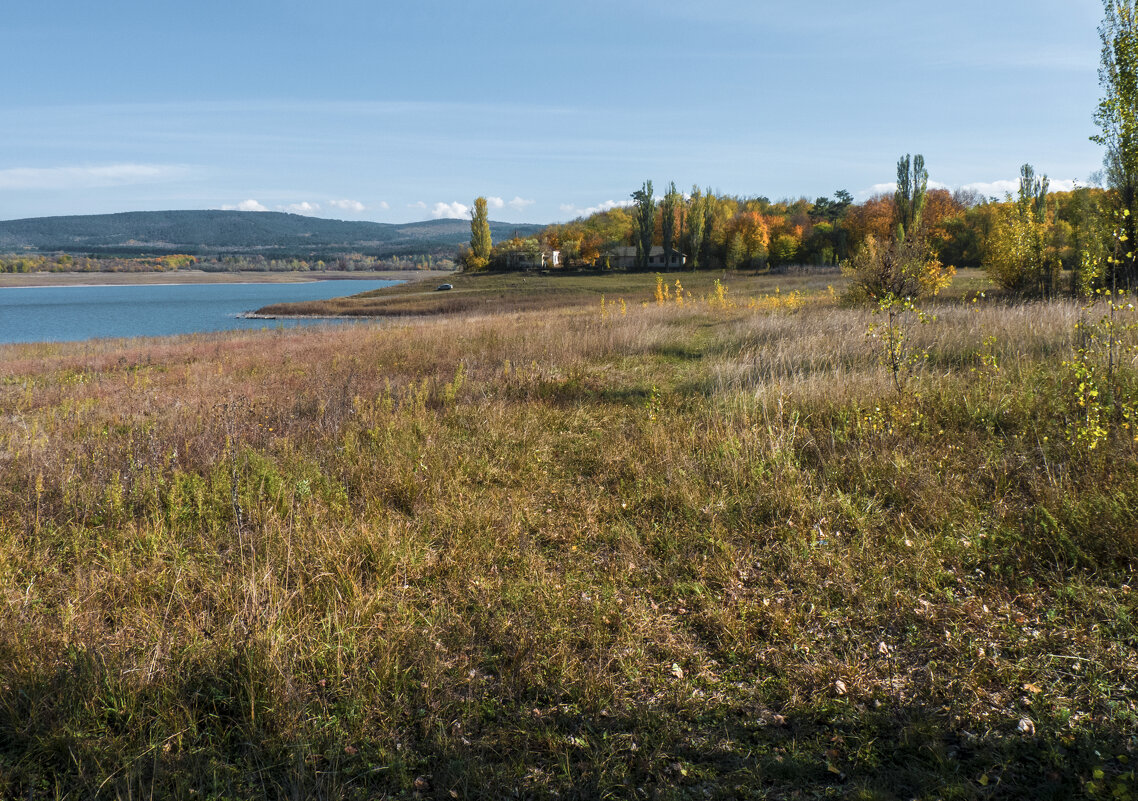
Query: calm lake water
x,y
68,313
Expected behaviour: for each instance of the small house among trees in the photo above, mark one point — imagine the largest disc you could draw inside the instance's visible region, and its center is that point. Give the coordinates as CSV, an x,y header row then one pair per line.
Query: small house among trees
x,y
531,259
624,258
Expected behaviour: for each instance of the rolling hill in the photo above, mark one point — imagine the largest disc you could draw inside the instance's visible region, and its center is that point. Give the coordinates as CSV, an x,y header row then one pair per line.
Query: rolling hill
x,y
219,232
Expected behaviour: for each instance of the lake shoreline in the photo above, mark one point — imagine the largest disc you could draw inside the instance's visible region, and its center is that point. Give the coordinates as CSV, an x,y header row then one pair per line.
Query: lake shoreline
x,y
257,316
84,311
192,277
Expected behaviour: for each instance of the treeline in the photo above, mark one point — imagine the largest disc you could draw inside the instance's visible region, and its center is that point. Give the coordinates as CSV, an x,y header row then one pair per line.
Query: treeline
x,y
349,262
67,263
344,262
963,229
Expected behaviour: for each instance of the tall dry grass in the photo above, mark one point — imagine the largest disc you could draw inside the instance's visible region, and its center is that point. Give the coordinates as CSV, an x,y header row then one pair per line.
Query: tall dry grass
x,y
684,551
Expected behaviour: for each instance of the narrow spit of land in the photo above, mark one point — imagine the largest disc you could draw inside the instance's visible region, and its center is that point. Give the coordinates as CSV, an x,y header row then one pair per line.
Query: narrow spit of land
x,y
500,293
701,547
203,277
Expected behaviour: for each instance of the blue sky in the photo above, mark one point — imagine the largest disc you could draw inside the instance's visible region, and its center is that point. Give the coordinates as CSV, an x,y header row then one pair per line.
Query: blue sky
x,y
377,110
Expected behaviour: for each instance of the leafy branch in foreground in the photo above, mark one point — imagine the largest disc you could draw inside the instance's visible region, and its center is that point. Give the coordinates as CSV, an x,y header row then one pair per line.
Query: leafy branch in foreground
x,y
1104,397
894,336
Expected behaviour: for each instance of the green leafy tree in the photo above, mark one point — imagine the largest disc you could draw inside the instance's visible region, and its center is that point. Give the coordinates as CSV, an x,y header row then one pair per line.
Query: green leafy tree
x,y
736,251
1089,242
912,192
668,208
1117,118
783,250
644,210
696,228
480,242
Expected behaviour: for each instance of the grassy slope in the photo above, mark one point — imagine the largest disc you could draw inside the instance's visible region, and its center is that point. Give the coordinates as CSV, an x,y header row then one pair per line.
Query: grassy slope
x,y
681,552
496,293
512,292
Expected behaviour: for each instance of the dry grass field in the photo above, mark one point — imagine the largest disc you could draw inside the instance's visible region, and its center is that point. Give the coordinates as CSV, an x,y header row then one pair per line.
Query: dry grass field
x,y
550,549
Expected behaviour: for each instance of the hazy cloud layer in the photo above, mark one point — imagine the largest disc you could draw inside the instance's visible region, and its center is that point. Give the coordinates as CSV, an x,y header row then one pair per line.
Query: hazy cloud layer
x,y
88,177
517,204
304,207
307,208
997,189
246,205
351,205
576,211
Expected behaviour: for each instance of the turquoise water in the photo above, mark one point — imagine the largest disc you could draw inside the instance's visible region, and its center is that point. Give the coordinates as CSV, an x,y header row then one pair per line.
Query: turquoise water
x,y
69,313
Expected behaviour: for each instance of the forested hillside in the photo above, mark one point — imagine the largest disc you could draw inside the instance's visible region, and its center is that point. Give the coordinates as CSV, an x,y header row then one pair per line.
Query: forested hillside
x,y
264,233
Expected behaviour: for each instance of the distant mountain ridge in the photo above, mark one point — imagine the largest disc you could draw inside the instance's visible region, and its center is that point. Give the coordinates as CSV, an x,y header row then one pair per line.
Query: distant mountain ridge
x,y
266,233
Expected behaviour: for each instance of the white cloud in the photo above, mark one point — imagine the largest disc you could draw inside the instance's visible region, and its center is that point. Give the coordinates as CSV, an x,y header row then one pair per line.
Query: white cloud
x,y
303,207
997,189
517,204
350,205
88,177
608,205
417,205
875,190
384,205
245,205
450,210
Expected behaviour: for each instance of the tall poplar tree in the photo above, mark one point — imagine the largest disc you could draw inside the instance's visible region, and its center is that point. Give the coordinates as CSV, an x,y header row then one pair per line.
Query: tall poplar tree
x,y
696,227
912,188
1117,118
710,204
480,241
668,209
645,216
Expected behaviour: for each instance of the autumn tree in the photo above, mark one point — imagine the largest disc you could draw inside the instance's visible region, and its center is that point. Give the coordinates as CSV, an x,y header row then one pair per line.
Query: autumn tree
x,y
1018,255
1117,118
480,242
718,211
875,217
644,206
902,265
754,237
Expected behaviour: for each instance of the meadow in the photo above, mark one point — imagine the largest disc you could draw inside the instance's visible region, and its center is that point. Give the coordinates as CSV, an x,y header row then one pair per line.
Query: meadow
x,y
533,546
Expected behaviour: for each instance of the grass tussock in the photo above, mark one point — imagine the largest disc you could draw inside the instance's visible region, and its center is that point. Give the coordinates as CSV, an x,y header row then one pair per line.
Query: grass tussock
x,y
678,550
